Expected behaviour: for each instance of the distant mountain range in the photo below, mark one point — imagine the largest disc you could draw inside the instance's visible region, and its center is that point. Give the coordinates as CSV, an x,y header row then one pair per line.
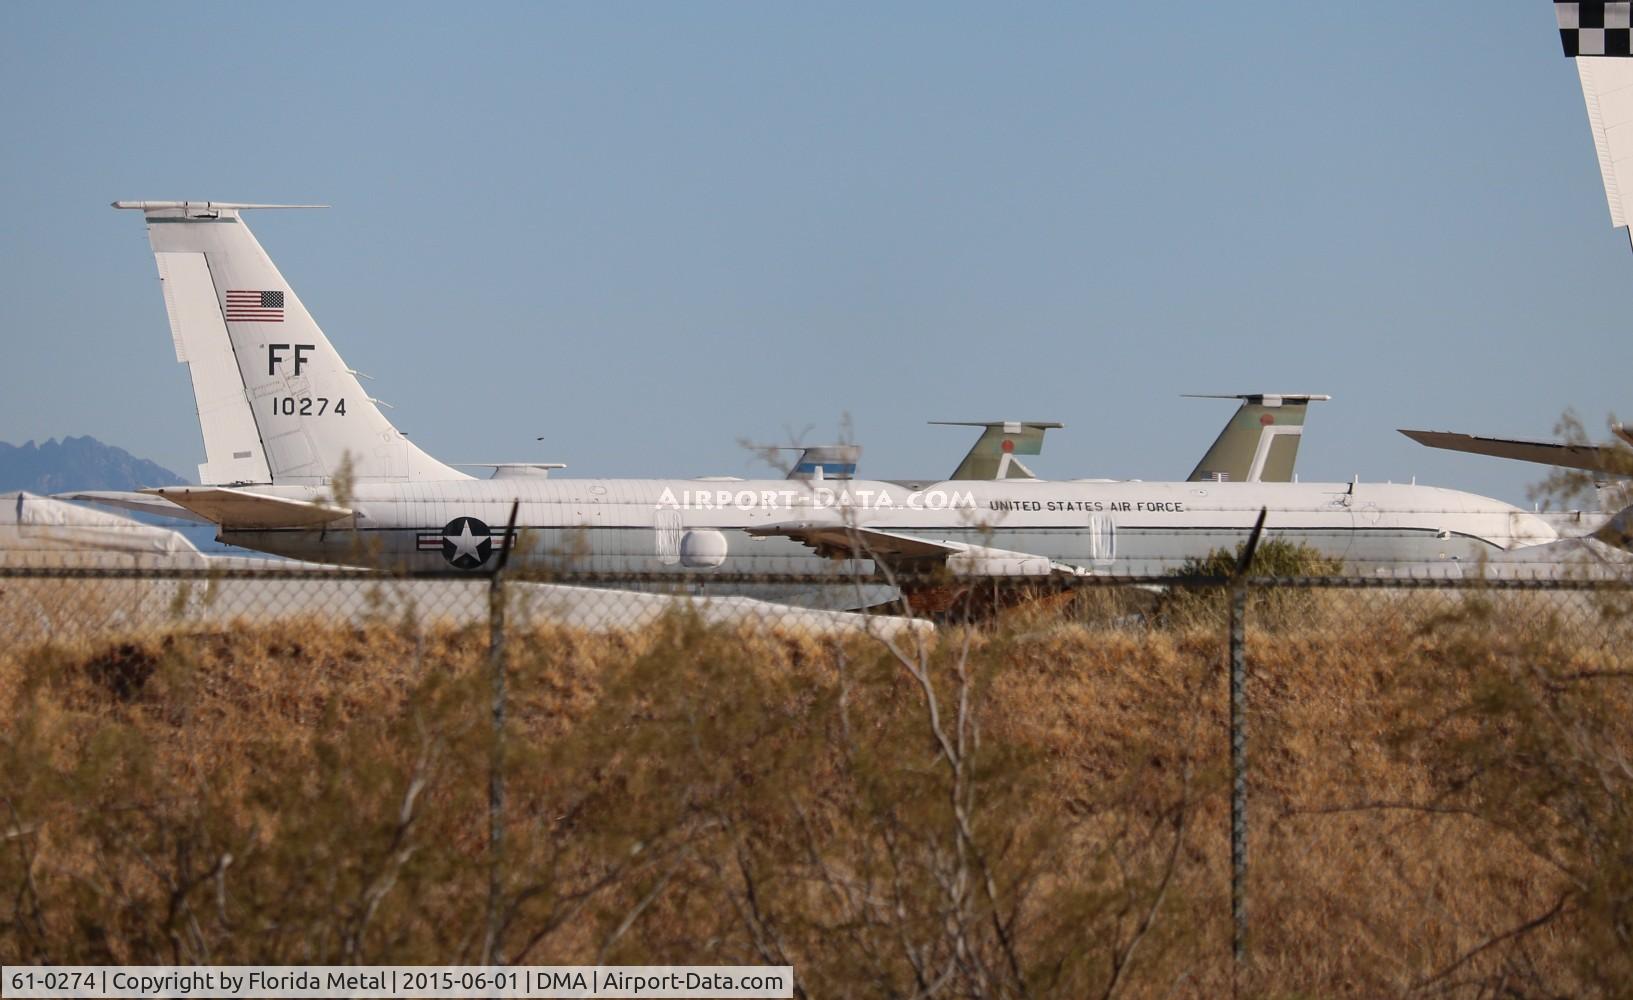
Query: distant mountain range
x,y
77,463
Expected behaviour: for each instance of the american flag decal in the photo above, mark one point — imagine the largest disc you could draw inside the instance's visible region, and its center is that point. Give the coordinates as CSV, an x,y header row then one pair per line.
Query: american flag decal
x,y
255,307
1594,29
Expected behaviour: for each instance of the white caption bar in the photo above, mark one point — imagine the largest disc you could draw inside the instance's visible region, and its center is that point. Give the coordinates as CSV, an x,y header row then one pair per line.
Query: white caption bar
x,y
397,980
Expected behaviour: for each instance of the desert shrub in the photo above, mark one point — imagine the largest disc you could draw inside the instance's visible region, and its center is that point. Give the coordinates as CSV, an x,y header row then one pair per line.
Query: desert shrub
x,y
1207,605
1273,557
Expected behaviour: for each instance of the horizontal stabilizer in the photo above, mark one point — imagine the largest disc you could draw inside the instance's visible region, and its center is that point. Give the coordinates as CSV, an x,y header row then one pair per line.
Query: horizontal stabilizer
x,y
1609,460
200,206
139,502
244,510
1265,398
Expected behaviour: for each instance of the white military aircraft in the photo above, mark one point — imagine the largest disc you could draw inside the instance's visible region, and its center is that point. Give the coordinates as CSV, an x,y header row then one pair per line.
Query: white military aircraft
x,y
299,461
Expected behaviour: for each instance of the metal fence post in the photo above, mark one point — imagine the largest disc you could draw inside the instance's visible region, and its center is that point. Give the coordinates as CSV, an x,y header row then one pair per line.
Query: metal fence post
x,y
1238,771
1238,752
496,761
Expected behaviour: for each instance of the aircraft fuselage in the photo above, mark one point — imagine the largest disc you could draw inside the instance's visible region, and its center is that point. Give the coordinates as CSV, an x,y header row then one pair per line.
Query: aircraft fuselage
x,y
694,528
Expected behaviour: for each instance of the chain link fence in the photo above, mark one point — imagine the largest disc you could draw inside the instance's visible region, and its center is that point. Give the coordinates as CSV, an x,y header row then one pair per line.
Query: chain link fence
x,y
994,788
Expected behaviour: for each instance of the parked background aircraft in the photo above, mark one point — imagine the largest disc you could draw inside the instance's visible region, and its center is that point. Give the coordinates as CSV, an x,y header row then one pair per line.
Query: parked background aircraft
x,y
1260,443
997,452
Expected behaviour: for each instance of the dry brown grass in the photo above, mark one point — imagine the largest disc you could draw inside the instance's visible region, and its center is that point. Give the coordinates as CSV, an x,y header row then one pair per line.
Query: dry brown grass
x,y
1428,774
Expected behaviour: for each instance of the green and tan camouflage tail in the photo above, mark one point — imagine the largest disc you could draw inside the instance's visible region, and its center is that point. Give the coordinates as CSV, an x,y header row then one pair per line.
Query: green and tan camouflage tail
x,y
1260,443
994,453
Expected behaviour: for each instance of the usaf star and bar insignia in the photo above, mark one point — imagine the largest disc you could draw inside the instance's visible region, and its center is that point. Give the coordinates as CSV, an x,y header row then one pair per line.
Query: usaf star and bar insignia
x,y
466,542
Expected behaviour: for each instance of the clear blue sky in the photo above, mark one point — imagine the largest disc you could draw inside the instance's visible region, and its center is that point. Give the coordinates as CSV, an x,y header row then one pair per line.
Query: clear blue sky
x,y
648,231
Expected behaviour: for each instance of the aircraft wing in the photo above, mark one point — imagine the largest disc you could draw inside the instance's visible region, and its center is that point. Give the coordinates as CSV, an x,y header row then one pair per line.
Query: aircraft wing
x,y
243,509
139,502
900,551
1593,458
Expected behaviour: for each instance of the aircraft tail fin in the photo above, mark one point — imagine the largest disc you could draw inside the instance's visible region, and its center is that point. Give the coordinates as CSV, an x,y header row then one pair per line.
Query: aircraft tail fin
x,y
993,456
1260,441
275,401
1617,531
826,461
1598,41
